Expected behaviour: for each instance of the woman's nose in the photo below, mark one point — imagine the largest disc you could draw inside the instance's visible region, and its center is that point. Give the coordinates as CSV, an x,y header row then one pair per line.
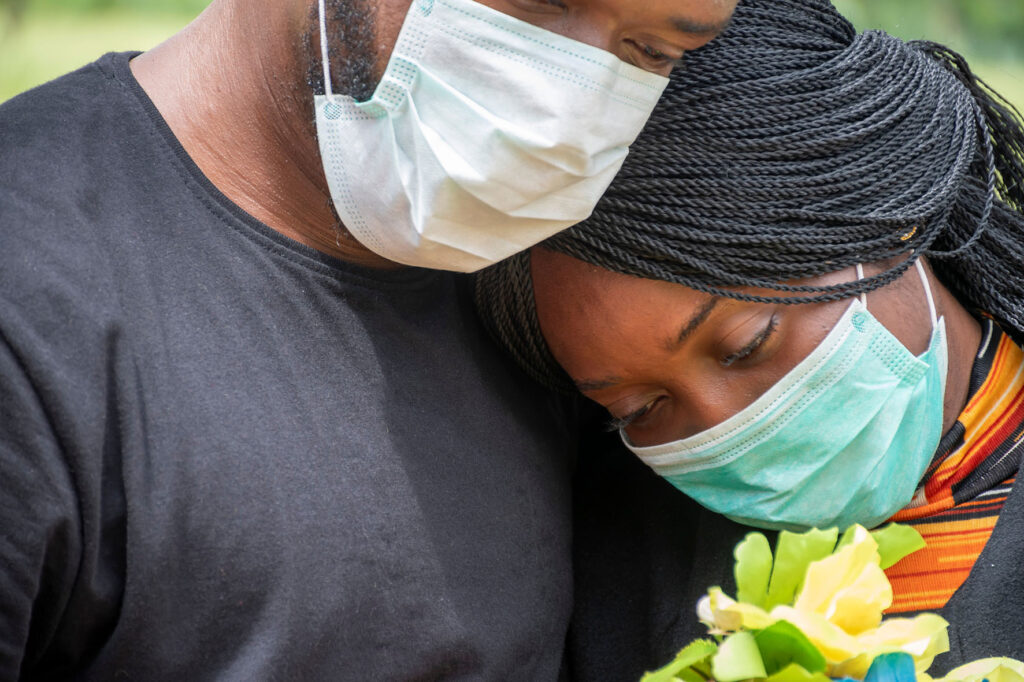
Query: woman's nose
x,y
705,411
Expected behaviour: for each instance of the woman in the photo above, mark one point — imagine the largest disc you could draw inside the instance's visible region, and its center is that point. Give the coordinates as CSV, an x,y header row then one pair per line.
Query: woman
x,y
801,303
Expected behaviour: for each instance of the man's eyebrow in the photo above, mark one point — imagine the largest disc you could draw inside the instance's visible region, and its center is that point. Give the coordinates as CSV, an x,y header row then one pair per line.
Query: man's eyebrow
x,y
691,325
699,27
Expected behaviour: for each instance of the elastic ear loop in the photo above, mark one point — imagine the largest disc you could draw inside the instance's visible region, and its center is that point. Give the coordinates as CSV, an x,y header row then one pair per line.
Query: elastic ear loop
x,y
927,292
323,51
863,294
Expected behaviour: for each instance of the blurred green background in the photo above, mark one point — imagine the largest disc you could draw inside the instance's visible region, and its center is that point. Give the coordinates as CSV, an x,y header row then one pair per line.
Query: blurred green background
x,y
41,39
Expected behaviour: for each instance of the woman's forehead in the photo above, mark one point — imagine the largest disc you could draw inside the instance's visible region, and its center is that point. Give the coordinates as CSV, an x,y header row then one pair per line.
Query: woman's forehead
x,y
577,300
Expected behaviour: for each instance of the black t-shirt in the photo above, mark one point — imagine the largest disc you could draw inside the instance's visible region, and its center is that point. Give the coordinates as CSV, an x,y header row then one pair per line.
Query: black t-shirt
x,y
224,455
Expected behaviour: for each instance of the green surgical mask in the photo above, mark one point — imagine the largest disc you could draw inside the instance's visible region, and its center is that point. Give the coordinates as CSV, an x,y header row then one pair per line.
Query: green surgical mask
x,y
843,438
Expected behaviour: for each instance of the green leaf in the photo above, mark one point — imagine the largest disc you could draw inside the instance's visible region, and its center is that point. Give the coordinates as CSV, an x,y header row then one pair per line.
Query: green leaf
x,y
704,667
794,552
691,675
782,644
794,673
753,569
693,653
896,541
845,539
738,658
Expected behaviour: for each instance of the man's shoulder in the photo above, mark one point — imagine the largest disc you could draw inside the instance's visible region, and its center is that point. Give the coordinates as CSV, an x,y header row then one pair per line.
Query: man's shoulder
x,y
65,148
62,156
55,137
61,111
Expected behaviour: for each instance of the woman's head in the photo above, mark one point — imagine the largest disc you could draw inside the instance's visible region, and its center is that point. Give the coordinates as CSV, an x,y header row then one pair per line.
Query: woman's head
x,y
776,415
668,361
791,148
755,254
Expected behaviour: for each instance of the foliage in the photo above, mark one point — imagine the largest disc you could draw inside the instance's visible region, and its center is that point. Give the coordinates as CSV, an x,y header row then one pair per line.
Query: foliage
x,y
134,6
47,45
54,36
990,29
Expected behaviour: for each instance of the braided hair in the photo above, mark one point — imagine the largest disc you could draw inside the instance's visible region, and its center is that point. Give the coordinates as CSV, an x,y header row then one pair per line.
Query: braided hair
x,y
792,146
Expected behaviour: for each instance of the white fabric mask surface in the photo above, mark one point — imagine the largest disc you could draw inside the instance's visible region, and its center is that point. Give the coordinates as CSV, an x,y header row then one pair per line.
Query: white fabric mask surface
x,y
485,136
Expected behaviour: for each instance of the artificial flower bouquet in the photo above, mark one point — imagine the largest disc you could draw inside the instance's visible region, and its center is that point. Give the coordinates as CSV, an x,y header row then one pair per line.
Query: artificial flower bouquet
x,y
812,612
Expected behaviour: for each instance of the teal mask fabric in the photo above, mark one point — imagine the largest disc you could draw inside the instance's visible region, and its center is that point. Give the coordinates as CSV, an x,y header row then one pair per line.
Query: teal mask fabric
x,y
843,438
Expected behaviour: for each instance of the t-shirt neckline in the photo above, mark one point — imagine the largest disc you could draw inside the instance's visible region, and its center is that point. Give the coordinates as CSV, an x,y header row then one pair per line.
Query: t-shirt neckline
x,y
117,64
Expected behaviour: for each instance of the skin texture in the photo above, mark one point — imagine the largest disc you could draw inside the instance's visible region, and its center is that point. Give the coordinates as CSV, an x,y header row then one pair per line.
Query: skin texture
x,y
234,87
619,338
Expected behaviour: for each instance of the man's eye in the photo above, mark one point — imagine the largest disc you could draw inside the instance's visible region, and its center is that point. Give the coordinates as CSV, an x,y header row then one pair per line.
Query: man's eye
x,y
754,345
540,4
653,53
653,57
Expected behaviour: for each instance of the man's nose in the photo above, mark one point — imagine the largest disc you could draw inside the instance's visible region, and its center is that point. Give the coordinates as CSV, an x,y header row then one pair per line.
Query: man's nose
x,y
596,30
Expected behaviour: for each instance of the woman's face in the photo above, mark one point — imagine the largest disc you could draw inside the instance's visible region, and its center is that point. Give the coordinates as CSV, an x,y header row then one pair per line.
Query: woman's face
x,y
668,362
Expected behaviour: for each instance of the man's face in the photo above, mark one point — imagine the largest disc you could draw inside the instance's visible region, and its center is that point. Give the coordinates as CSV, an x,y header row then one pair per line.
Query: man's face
x,y
651,34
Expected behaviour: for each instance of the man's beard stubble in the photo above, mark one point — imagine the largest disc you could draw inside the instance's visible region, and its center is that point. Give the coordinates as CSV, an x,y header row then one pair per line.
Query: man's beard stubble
x,y
351,46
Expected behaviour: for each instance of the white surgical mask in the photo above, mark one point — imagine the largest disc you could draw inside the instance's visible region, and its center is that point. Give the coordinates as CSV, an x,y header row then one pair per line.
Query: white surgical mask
x,y
486,135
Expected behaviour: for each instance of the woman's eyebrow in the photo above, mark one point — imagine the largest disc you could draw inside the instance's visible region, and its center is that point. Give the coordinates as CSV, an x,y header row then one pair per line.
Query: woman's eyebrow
x,y
585,385
691,325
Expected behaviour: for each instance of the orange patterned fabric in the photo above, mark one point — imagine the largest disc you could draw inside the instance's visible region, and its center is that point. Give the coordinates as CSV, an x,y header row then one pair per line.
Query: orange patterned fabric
x,y
967,482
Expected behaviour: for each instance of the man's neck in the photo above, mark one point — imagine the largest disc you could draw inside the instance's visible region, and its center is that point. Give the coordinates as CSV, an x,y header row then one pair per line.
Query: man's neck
x,y
231,86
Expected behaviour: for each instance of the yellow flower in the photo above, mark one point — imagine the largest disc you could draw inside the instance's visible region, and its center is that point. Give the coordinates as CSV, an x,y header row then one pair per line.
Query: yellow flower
x,y
722,614
839,608
849,587
991,669
923,637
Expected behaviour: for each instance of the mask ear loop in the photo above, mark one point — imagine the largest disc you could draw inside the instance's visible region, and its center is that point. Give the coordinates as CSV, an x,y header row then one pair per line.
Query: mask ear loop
x,y
323,51
927,292
863,294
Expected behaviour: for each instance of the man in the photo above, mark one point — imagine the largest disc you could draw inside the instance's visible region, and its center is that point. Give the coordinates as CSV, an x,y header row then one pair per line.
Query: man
x,y
237,442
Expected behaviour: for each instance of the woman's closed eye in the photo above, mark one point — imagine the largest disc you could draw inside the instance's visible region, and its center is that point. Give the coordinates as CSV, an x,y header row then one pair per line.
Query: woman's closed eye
x,y
644,415
753,346
619,423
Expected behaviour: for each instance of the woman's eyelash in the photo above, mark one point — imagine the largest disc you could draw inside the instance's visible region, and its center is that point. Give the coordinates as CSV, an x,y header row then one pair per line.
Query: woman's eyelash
x,y
754,344
619,423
